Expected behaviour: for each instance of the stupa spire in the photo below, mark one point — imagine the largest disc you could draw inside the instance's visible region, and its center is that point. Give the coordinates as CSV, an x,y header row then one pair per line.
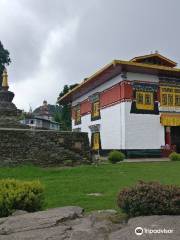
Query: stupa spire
x,y
5,85
9,114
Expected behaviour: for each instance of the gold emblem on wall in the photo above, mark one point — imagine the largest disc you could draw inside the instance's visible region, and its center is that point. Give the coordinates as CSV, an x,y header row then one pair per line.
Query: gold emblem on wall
x,y
170,120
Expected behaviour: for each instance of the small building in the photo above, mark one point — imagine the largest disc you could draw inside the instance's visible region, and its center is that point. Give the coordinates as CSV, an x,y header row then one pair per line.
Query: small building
x,y
42,117
41,123
132,106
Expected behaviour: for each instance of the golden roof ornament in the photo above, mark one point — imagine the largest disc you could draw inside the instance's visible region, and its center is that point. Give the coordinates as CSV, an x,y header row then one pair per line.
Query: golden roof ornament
x,y
5,84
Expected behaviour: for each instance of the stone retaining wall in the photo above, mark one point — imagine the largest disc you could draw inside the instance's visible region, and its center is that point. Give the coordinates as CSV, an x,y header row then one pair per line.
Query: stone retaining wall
x,y
41,147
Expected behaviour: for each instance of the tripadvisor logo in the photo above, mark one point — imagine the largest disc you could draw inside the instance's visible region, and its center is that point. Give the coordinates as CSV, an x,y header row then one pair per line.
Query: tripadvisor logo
x,y
139,231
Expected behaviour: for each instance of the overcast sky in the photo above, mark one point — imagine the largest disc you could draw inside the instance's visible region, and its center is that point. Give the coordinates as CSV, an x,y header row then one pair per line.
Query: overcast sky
x,y
57,42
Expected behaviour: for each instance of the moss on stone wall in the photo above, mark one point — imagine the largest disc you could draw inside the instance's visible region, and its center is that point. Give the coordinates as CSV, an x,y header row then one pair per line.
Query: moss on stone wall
x,y
42,147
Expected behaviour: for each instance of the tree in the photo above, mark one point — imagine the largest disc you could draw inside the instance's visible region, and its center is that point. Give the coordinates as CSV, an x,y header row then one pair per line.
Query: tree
x,y
65,117
4,60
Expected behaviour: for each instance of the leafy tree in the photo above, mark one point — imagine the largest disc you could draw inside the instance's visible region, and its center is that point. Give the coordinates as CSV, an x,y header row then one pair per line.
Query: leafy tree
x,y
65,116
4,60
57,114
57,117
64,91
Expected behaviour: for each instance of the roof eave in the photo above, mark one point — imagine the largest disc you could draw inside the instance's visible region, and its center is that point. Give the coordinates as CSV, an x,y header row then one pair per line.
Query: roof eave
x,y
125,64
69,94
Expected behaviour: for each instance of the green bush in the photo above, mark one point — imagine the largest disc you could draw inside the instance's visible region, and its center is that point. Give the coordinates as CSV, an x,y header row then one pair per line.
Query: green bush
x,y
116,156
20,195
174,156
150,198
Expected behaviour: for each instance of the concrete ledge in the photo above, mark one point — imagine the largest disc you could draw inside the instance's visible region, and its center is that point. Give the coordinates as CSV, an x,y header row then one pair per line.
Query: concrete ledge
x,y
147,160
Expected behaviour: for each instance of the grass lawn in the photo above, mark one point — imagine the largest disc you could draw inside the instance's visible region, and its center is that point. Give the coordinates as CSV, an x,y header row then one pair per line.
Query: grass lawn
x,y
70,186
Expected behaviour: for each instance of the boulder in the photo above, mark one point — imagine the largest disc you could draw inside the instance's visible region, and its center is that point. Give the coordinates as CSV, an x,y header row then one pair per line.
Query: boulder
x,y
70,223
38,225
153,228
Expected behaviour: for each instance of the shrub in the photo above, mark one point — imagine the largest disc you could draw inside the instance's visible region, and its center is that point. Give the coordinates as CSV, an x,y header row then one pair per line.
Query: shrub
x,y
150,198
116,156
174,156
20,195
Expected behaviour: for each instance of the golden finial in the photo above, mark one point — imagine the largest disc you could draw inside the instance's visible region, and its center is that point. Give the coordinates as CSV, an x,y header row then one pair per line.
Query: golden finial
x,y
5,84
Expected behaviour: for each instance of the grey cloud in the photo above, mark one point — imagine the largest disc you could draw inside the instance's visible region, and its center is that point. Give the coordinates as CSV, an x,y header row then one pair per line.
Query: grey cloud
x,y
83,36
122,30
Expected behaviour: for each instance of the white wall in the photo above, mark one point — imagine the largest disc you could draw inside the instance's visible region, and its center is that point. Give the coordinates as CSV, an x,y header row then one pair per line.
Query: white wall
x,y
100,88
110,127
119,128
85,123
143,131
142,77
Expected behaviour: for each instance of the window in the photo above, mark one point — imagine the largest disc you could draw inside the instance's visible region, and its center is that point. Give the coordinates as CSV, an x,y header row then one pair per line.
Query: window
x,y
170,99
177,100
77,116
95,114
139,98
170,96
96,141
147,99
144,100
164,100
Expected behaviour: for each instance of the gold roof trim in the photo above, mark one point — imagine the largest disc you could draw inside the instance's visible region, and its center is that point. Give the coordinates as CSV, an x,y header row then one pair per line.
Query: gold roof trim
x,y
125,63
154,55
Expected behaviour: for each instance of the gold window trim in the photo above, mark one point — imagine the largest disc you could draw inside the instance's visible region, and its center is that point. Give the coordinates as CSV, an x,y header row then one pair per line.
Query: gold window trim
x,y
141,98
96,141
169,96
96,109
77,116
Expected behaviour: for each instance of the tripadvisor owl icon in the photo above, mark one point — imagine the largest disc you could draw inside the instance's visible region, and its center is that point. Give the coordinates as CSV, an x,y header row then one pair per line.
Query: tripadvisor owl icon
x,y
139,231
